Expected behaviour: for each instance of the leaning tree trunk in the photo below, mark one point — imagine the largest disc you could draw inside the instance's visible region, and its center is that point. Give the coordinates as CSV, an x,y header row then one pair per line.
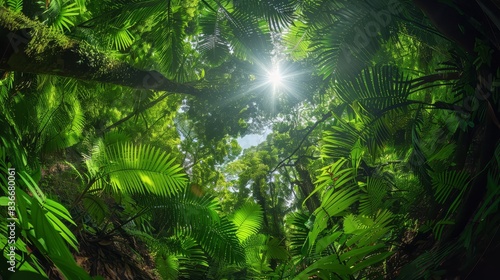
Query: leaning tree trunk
x,y
29,46
459,22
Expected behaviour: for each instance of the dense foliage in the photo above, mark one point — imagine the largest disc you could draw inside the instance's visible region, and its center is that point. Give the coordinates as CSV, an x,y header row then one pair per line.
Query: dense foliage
x,y
122,123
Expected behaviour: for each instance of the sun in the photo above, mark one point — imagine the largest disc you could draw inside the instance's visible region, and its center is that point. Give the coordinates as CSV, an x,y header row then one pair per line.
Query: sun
x,y
275,77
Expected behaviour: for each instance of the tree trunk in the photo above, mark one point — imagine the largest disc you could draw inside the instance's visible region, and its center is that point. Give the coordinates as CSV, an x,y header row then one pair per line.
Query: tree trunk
x,y
458,21
307,187
29,46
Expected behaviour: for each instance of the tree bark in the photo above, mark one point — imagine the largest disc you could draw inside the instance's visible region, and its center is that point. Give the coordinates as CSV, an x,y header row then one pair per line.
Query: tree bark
x,y
29,46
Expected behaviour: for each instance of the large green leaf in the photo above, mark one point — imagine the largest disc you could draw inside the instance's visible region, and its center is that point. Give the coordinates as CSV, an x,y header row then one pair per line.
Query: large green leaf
x,y
53,244
334,203
329,263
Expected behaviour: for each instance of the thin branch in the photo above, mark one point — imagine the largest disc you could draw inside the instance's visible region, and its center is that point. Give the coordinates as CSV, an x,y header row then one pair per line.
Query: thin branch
x,y
136,112
324,118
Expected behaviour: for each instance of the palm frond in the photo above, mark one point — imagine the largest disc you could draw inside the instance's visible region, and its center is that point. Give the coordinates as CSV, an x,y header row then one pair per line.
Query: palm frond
x,y
445,182
121,38
183,210
51,120
279,14
427,263
197,217
275,250
346,35
360,247
121,12
61,13
248,220
337,51
169,40
374,198
338,141
490,203
168,266
417,160
333,203
42,225
254,246
219,240
96,208
192,260
15,5
296,40
213,45
65,126
137,169
375,89
177,256
334,176
372,229
250,34
324,267
297,231
51,243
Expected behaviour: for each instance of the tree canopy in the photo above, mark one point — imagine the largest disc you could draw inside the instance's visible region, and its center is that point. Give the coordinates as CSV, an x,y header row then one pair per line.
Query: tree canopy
x,y
121,134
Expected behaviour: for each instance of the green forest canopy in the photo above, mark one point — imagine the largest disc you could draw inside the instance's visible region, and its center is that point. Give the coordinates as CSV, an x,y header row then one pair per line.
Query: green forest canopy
x,y
120,122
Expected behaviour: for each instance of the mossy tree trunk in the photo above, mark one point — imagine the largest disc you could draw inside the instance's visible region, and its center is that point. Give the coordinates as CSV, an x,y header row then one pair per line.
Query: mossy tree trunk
x,y
29,46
